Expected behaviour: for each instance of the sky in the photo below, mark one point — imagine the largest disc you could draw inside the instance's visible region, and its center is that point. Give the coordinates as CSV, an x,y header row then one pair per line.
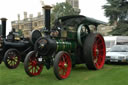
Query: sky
x,y
10,8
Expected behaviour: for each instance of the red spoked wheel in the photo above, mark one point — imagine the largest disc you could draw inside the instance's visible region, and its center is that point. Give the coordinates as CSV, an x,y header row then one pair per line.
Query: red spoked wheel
x,y
31,64
62,65
94,51
99,52
12,58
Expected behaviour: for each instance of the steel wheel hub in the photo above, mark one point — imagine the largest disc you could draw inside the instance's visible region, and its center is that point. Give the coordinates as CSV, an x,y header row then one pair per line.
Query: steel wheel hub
x,y
65,65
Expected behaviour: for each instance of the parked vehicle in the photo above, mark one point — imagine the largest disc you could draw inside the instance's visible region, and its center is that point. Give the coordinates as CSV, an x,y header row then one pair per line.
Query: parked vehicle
x,y
13,48
118,53
68,42
115,40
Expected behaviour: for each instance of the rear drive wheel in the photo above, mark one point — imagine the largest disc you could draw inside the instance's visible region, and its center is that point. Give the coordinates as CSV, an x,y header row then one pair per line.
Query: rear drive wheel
x,y
31,65
62,65
12,58
94,51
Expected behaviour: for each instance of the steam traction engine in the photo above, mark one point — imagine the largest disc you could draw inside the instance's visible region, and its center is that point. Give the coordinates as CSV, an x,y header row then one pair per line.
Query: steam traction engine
x,y
13,48
69,42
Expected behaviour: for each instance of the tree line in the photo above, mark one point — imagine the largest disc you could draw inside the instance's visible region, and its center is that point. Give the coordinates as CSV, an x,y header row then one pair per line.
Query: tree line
x,y
117,12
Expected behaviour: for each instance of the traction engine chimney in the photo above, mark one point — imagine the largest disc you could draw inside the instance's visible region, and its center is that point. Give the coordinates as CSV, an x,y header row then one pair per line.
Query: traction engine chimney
x,y
47,15
3,21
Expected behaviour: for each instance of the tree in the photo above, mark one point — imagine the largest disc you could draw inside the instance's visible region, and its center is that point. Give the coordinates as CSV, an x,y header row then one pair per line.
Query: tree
x,y
20,32
112,10
62,9
124,10
121,29
117,11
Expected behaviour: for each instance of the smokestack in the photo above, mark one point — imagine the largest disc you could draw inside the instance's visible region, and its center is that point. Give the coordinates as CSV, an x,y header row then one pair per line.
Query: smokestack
x,y
3,21
47,15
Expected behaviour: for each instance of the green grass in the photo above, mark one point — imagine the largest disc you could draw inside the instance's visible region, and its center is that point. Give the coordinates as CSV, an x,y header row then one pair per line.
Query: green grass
x,y
80,75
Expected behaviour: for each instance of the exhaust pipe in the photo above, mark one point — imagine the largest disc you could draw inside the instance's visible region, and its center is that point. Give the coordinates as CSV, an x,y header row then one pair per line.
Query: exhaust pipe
x,y
3,21
47,14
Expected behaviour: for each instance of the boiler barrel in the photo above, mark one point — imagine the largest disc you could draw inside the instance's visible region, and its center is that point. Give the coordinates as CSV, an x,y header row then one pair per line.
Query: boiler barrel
x,y
65,45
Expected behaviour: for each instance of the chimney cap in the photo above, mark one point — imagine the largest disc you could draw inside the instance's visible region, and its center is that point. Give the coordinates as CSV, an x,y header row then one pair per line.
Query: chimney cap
x,y
47,7
4,19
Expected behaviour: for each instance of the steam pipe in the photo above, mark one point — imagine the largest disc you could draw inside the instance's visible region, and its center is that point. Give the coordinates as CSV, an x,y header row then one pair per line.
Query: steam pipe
x,y
3,21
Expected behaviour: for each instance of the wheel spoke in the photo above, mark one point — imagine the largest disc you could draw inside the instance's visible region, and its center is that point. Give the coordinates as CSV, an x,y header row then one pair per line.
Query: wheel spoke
x,y
36,69
30,67
66,58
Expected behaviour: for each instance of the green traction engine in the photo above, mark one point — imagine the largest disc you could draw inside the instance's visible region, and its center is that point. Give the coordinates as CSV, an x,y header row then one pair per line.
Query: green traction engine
x,y
67,43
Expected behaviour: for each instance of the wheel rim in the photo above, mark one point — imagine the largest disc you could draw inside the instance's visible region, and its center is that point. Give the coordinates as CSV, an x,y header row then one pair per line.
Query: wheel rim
x,y
64,66
13,59
99,52
34,67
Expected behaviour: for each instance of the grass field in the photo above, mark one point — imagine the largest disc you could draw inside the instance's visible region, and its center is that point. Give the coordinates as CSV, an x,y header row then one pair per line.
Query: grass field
x,y
80,75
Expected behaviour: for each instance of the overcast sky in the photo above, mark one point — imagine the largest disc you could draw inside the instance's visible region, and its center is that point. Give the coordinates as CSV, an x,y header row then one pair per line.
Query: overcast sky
x,y
10,8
